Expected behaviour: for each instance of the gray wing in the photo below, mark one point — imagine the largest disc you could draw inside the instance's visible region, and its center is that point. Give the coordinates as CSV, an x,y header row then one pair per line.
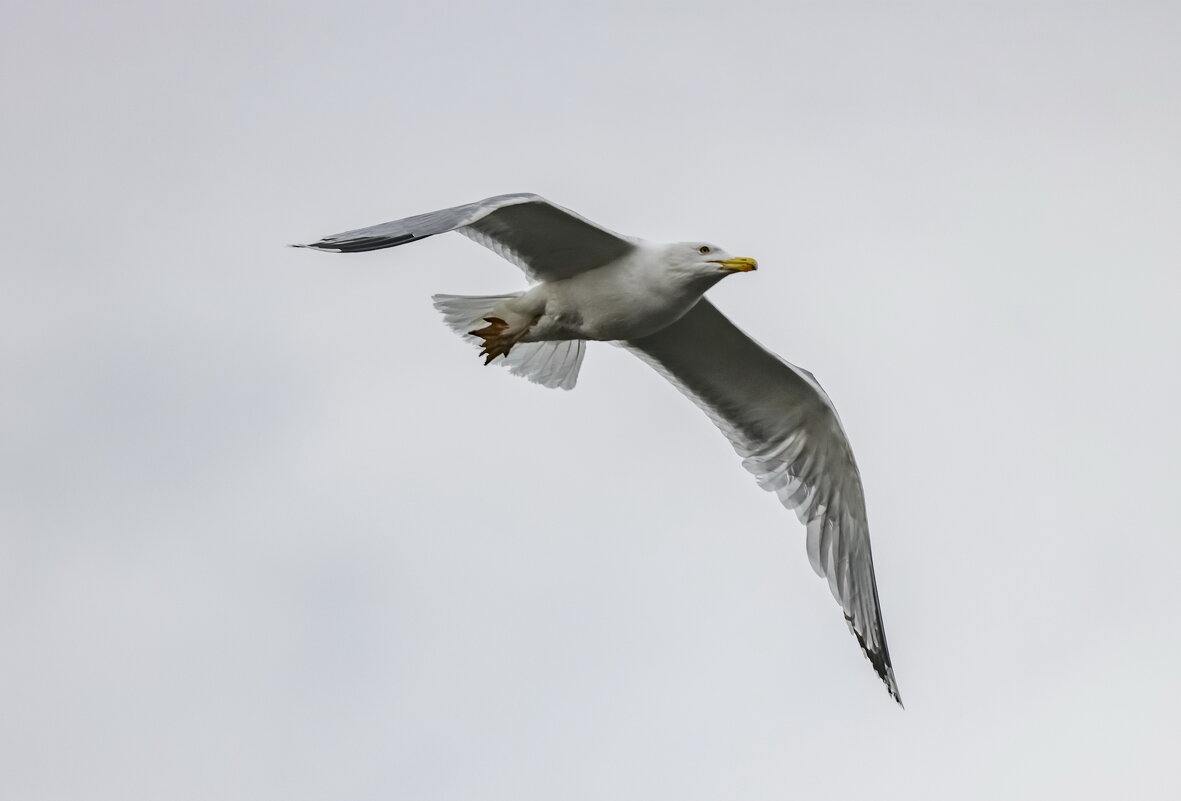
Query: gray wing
x,y
547,241
789,436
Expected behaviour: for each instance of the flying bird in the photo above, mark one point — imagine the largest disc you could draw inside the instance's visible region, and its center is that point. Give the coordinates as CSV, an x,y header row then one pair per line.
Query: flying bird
x,y
591,284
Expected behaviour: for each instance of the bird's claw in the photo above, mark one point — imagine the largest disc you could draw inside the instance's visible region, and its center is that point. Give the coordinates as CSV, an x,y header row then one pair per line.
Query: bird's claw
x,y
497,339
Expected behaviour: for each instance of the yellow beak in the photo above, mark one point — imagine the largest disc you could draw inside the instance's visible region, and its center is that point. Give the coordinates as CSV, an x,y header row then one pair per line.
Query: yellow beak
x,y
739,265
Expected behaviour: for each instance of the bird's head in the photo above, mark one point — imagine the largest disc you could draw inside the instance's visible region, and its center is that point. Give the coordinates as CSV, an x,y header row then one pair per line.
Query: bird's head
x,y
704,262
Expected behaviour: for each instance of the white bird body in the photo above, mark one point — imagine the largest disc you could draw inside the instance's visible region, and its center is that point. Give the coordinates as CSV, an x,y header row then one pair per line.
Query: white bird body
x,y
631,297
592,284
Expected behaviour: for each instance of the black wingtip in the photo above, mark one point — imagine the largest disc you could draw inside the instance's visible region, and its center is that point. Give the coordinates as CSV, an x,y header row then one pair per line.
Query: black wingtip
x,y
880,659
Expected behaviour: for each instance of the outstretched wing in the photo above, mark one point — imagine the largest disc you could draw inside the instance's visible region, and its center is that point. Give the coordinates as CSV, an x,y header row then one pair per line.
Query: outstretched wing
x,y
547,241
789,436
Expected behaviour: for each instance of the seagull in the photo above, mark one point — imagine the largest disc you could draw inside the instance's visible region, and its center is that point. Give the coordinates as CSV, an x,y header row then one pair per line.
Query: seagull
x,y
592,284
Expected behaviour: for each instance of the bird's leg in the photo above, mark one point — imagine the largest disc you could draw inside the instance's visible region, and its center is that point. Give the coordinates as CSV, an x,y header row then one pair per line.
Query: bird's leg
x,y
499,337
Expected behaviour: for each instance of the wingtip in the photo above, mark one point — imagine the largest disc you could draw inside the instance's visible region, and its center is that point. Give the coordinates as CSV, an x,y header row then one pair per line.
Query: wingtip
x,y
885,671
892,687
880,660
887,677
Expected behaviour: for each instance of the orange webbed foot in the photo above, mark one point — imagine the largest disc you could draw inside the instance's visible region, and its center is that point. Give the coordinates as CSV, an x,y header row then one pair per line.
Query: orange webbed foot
x,y
498,341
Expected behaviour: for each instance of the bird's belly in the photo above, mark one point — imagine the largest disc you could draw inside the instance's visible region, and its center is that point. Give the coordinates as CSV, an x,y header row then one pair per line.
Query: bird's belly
x,y
607,318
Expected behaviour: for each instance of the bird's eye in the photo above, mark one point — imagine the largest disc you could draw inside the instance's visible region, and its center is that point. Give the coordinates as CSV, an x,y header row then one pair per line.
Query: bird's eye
x,y
703,249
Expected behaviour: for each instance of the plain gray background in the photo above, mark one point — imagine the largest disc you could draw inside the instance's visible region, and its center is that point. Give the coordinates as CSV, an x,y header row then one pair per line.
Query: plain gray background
x,y
270,531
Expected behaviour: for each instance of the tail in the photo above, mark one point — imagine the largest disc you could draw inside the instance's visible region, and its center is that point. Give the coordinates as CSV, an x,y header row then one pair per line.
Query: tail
x,y
551,364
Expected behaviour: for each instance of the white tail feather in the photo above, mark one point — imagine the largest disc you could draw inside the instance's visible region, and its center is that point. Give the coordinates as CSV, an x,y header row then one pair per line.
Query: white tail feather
x,y
551,364
463,313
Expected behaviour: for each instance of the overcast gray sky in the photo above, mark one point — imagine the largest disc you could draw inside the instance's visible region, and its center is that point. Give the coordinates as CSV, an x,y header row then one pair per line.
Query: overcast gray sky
x,y
270,531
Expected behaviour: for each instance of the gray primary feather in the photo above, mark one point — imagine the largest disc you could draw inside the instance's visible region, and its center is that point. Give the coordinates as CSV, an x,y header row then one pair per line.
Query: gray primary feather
x,y
788,434
547,241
